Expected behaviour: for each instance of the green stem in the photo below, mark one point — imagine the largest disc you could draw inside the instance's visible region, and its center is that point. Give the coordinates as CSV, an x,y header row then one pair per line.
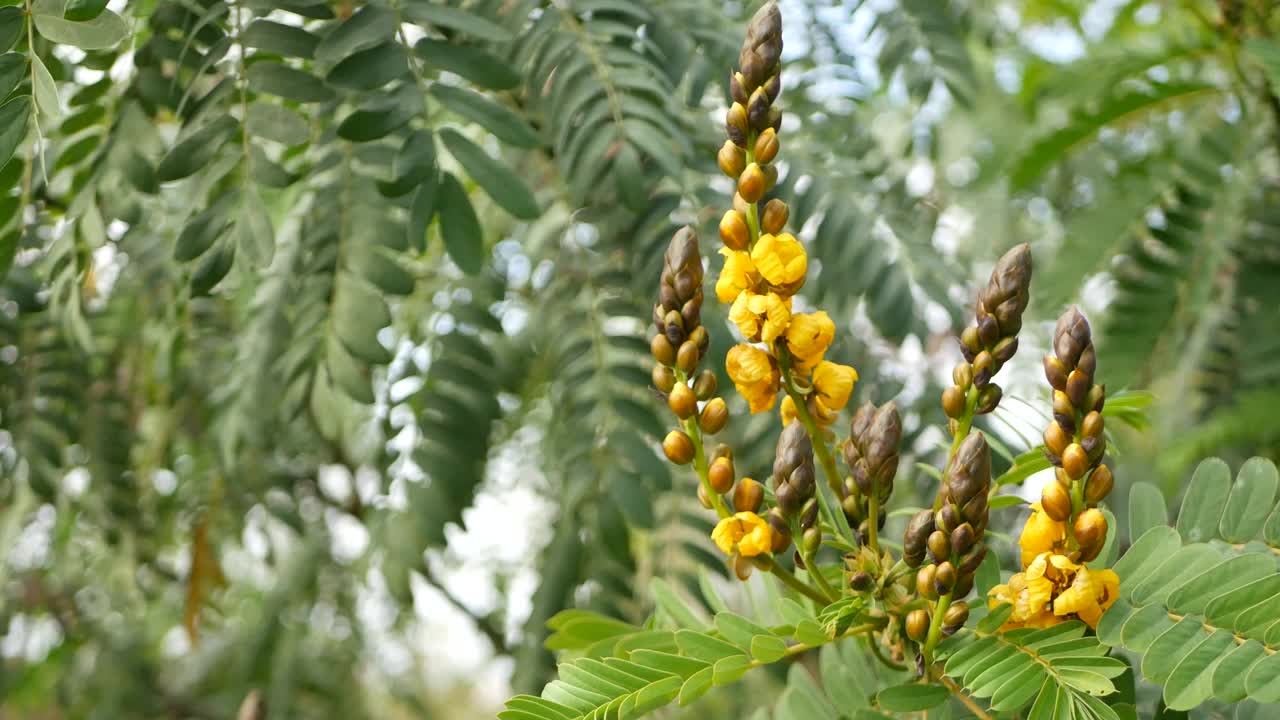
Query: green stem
x,y
700,457
879,655
935,627
790,580
963,425
873,511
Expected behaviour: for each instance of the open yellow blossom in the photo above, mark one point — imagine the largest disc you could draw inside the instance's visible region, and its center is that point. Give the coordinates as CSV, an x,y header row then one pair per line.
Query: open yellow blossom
x,y
1092,592
832,385
808,337
1041,534
746,533
739,274
755,374
781,261
761,317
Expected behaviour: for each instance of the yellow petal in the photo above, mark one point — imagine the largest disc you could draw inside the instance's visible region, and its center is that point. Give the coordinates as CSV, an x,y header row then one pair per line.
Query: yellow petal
x,y
808,338
739,274
1041,534
777,315
747,364
834,383
780,259
726,534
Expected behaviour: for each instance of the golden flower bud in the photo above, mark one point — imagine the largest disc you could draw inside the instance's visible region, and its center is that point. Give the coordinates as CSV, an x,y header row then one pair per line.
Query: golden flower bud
x,y
770,177
735,124
781,530
722,450
953,401
1097,398
687,356
970,343
988,398
955,617
703,497
944,578
751,184
766,146
1061,476
741,205
924,582
715,415
748,496
1056,439
1062,404
984,366
682,401
732,159
939,546
1092,425
720,474
1055,501
1078,388
962,375
1099,485
734,232
663,377
774,218
662,350
1090,529
705,385
1055,372
1075,461
918,625
742,567
678,447
812,539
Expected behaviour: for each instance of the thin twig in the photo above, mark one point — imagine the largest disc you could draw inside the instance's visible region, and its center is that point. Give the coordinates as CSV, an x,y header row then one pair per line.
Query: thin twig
x,y
968,701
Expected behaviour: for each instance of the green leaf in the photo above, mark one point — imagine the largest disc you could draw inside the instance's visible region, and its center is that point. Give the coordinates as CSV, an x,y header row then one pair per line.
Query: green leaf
x,y
12,68
1194,596
286,82
1251,500
12,24
82,10
45,89
1000,502
196,150
1187,562
670,602
454,19
1204,501
14,115
499,182
422,209
281,39
506,125
201,232
359,313
378,119
471,63
767,648
277,123
705,647
411,166
212,268
346,373
459,226
696,686
255,239
912,697
103,31
737,629
1191,681
370,69
1146,508
368,26
730,669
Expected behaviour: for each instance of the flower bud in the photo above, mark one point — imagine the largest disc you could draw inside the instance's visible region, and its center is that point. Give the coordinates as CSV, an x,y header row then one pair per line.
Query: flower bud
x,y
1055,501
1062,477
774,218
939,546
662,349
1099,485
766,146
742,567
1055,372
955,617
703,498
944,579
1090,529
1077,389
687,357
678,447
962,376
758,106
988,398
962,539
914,540
809,513
860,581
721,451
1056,439
984,366
1075,461
988,329
720,475
737,87
1005,349
663,377
715,415
1092,425
682,401
751,184
1097,398
734,232
748,496
924,582
735,124
781,530
732,159
953,401
812,539
918,625
705,385
1062,406
970,343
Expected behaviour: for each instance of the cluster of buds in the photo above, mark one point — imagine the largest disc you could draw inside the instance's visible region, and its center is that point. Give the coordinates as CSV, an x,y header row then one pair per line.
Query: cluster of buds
x,y
871,453
993,339
1074,441
679,344
752,121
951,537
794,487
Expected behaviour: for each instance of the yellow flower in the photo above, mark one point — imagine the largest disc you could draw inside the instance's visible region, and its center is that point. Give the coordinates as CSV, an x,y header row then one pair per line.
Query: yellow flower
x,y
832,384
1092,592
1041,534
754,374
746,531
781,260
761,317
787,410
739,274
808,338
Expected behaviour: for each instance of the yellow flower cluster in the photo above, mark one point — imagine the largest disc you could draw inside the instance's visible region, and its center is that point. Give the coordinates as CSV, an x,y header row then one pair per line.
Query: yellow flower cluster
x,y
746,533
1052,587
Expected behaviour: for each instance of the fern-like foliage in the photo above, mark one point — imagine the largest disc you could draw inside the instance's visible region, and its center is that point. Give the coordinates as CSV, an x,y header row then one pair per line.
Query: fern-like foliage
x,y
1198,601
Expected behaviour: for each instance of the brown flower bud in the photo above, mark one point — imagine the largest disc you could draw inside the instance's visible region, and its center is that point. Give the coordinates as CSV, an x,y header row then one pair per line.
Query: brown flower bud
x,y
732,159
1097,398
700,338
1092,425
1062,405
1062,477
916,536
748,496
751,184
962,375
812,539
1005,349
962,539
1055,372
988,398
970,343
953,401
742,567
1090,529
705,384
735,124
1070,337
1075,461
678,447
924,582
1078,385
969,565
766,146
662,349
721,450
984,366
687,357
1055,501
774,217
664,378
1056,439
1099,485
955,617
682,401
918,625
939,546
734,232
720,475
715,415
737,87
770,176
944,580
860,581
781,530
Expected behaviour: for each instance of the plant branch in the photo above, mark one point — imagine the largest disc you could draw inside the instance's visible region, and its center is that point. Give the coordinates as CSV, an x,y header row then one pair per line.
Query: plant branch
x,y
485,624
788,578
969,702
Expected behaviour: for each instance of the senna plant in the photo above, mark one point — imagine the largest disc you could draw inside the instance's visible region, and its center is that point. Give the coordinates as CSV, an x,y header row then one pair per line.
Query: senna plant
x,y
1193,607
